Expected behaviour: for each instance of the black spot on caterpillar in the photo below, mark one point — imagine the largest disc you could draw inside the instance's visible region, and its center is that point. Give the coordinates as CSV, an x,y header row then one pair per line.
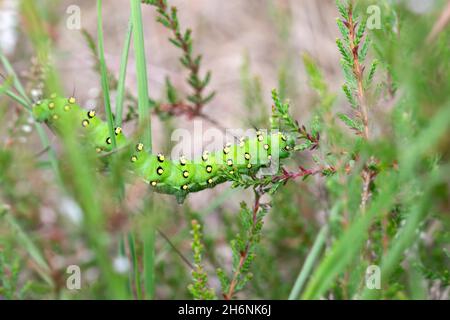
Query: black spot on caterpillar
x,y
180,176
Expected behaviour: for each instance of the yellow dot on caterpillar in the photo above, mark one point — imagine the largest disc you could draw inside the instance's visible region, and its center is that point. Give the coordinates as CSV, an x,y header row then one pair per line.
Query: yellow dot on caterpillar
x,y
183,161
247,156
39,102
208,169
184,187
160,157
210,180
55,117
185,173
249,166
269,157
91,114
108,140
98,150
226,150
283,137
258,133
205,156
51,105
153,183
229,162
260,137
231,172
139,147
266,147
53,95
241,144
66,107
287,148
72,100
133,158
85,123
160,171
117,131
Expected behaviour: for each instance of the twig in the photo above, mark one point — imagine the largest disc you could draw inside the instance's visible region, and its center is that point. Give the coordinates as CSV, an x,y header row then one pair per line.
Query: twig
x,y
185,260
42,152
286,175
245,253
183,40
354,38
358,71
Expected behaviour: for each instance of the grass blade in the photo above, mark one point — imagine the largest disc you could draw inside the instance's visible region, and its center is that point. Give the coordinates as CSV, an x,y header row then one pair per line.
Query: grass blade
x,y
134,259
141,71
309,263
31,248
17,84
104,75
145,126
149,263
405,238
346,248
122,75
26,103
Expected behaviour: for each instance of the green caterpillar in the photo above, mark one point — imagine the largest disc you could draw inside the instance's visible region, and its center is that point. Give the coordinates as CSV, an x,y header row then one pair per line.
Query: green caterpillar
x,y
167,176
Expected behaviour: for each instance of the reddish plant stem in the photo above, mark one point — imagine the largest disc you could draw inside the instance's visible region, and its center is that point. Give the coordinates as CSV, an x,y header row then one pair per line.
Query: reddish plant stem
x,y
358,71
244,254
367,175
286,175
314,139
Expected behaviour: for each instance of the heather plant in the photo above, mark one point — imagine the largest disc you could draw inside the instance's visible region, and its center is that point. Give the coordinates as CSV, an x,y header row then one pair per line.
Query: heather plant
x,y
354,206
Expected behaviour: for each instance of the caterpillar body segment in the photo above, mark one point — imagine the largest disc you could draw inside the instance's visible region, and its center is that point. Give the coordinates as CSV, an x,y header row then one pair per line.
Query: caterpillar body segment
x,y
170,176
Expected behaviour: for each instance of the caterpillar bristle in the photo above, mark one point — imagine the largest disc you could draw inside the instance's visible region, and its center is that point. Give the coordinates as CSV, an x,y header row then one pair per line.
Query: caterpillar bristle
x,y
139,147
91,114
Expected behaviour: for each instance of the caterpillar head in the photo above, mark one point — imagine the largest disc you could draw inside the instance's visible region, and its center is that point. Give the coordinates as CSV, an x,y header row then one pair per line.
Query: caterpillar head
x,y
287,143
41,111
53,109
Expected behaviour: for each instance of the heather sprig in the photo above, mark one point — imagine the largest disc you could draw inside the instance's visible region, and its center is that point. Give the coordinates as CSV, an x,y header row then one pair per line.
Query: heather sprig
x,y
243,248
199,289
353,47
182,39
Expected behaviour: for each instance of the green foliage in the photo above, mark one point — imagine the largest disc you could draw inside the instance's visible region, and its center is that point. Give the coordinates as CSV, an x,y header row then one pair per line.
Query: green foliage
x,y
123,95
354,124
104,75
10,269
141,72
243,248
168,17
199,289
353,47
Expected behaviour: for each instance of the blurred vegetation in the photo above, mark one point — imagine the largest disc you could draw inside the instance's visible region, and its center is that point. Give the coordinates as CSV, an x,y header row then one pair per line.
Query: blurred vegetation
x,y
368,184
